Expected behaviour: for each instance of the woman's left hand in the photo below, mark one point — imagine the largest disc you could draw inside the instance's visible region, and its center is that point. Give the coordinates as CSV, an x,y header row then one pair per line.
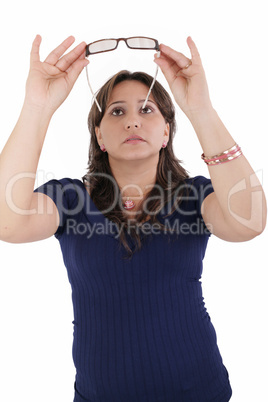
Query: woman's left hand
x,y
186,78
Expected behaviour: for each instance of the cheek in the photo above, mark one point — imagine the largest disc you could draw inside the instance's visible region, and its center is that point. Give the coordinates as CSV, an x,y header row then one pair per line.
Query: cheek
x,y
158,129
105,129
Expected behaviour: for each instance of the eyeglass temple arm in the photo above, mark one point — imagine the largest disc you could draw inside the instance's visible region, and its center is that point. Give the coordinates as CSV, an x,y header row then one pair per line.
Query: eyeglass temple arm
x,y
147,97
91,90
152,84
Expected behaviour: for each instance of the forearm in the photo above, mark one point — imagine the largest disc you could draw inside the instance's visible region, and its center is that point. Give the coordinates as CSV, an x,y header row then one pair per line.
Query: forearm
x,y
18,166
235,182
236,185
48,85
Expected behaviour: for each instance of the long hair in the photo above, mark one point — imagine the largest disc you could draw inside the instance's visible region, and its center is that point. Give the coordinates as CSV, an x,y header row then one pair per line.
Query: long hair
x,y
104,190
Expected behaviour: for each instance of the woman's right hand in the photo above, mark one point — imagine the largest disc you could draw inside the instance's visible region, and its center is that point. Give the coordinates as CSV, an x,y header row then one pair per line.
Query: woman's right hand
x,y
50,82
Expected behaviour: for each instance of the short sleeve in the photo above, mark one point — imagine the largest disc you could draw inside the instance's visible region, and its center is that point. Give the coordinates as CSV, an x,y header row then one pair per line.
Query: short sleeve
x,y
64,194
203,187
198,188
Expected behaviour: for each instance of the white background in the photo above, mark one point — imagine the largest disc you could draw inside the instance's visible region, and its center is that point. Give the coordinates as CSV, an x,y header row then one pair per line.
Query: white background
x,y
35,295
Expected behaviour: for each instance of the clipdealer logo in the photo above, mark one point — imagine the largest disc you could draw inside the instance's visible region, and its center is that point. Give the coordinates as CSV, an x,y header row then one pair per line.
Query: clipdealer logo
x,y
58,192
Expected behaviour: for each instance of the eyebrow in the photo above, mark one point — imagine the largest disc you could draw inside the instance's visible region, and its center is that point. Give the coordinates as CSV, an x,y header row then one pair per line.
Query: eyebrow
x,y
140,101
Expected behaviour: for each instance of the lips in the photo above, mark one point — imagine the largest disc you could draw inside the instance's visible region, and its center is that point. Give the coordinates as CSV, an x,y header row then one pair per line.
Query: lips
x,y
134,138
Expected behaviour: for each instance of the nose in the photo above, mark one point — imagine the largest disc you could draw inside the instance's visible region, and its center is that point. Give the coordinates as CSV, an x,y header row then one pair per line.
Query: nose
x,y
132,125
132,122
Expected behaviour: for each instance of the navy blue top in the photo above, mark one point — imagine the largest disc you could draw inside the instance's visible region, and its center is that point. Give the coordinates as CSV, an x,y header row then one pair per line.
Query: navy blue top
x,y
141,329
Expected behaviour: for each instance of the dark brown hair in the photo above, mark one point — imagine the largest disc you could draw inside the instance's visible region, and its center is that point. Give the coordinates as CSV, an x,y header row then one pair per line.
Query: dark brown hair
x,y
170,174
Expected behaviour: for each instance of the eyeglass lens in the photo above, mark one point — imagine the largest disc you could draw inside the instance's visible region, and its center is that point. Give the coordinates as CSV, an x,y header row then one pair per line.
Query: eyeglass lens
x,y
102,46
141,43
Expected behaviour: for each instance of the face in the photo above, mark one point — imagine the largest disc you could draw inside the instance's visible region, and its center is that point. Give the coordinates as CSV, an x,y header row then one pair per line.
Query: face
x,y
128,131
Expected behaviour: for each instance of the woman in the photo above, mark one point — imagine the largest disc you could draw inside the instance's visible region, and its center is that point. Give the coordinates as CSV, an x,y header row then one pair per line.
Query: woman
x,y
133,234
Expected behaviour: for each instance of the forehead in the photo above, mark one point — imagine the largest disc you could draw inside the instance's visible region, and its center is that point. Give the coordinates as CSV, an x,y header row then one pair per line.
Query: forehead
x,y
128,90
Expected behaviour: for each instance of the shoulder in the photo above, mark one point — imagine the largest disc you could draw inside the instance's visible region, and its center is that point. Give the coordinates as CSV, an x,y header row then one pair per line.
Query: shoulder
x,y
65,190
198,181
198,188
64,183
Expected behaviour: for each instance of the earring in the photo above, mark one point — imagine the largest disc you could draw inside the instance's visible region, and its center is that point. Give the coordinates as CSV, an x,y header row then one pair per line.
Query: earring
x,y
102,147
164,144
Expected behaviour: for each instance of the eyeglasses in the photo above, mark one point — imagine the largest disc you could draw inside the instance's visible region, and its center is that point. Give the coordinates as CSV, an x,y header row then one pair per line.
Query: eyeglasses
x,y
135,42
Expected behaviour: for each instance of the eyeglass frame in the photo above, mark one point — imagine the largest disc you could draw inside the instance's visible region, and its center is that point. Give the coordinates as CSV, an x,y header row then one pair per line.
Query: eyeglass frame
x,y
156,47
88,53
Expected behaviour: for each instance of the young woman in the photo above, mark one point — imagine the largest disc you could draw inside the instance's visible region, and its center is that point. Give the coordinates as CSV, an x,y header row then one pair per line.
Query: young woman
x,y
134,231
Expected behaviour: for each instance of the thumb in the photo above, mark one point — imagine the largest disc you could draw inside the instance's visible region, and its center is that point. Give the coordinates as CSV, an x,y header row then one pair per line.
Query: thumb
x,y
75,69
166,67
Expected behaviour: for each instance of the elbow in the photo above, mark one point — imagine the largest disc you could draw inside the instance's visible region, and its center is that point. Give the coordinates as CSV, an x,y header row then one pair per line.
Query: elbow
x,y
252,234
247,214
5,234
252,226
260,224
246,232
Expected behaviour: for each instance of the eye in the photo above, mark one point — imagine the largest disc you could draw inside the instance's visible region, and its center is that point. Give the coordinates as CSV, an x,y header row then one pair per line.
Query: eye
x,y
147,110
117,112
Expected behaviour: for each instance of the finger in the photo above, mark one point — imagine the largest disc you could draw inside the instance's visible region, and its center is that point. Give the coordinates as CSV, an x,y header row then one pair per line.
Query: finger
x,y
78,52
56,54
170,67
35,49
194,51
180,59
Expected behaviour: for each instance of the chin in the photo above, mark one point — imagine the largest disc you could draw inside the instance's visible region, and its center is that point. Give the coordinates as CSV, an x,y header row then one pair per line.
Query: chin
x,y
135,155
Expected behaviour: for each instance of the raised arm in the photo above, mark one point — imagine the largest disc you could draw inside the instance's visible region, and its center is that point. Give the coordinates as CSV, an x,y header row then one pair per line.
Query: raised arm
x,y
236,211
48,85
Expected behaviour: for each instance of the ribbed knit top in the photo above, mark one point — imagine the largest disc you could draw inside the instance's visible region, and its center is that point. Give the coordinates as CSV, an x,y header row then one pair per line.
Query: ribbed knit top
x,y
141,329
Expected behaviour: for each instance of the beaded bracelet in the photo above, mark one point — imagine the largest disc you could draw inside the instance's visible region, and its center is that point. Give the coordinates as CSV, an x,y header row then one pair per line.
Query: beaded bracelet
x,y
226,156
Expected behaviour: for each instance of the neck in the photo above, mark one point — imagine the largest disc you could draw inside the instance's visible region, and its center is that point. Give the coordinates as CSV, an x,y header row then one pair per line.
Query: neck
x,y
134,178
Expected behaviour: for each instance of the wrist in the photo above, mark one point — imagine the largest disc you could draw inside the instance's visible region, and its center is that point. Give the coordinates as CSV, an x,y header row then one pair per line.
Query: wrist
x,y
211,132
202,115
35,118
37,112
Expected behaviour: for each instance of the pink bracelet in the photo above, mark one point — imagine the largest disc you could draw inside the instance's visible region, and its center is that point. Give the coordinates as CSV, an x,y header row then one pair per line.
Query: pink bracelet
x,y
226,156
